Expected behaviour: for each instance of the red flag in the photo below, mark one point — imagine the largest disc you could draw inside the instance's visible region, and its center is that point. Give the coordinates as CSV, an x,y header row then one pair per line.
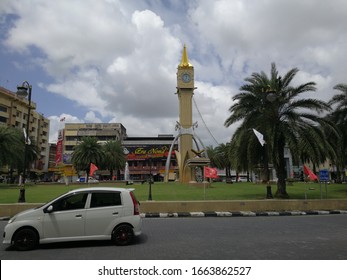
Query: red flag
x,y
310,174
210,172
93,168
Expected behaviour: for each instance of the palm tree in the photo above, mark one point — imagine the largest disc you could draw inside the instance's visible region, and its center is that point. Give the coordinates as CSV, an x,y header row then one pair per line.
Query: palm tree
x,y
219,157
32,154
11,149
215,160
86,152
114,157
273,107
223,153
11,145
339,117
244,151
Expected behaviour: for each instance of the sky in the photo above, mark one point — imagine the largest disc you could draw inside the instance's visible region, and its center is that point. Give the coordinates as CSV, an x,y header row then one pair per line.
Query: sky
x,y
116,60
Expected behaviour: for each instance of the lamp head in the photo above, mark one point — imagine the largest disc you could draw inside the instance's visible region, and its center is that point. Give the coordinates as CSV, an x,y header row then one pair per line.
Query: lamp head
x,y
22,91
271,96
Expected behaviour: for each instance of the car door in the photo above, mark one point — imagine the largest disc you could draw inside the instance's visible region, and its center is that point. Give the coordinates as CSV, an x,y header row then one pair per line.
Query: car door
x,y
104,212
67,219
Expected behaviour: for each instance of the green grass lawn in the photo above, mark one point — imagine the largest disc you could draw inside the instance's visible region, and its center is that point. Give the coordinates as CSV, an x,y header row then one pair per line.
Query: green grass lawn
x,y
181,192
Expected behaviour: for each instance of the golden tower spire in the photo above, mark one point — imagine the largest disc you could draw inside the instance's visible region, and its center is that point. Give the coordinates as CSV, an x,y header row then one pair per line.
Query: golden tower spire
x,y
184,61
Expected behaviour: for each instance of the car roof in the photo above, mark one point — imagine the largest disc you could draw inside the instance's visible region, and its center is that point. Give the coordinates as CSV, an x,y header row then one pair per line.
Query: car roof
x,y
100,188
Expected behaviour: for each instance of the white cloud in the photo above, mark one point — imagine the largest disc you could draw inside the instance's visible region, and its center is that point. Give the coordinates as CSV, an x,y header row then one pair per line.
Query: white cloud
x,y
57,122
92,118
117,59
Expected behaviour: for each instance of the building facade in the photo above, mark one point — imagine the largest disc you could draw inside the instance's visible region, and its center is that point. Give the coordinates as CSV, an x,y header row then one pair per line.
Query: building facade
x,y
14,113
73,133
146,157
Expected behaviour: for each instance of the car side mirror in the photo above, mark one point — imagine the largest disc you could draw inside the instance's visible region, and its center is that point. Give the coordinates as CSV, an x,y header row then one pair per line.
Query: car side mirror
x,y
49,209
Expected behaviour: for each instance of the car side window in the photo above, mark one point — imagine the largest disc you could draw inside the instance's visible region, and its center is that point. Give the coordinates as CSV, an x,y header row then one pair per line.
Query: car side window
x,y
104,199
72,202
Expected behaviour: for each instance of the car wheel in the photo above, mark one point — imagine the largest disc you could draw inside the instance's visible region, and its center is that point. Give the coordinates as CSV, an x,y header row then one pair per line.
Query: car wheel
x,y
123,235
25,239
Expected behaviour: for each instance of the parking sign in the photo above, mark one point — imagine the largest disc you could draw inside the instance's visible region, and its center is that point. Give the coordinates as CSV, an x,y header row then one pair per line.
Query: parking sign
x,y
323,175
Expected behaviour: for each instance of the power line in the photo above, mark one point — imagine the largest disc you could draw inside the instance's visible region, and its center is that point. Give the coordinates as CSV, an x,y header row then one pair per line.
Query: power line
x,y
196,106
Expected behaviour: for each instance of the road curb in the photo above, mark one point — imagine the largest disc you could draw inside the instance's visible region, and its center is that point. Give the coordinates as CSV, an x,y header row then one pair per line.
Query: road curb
x,y
241,214
232,214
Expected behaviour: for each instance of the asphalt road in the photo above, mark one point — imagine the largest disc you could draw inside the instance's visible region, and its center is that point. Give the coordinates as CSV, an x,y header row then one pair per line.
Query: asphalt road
x,y
321,237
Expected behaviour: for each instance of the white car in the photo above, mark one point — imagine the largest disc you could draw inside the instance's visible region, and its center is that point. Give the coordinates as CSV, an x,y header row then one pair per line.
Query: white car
x,y
90,180
97,213
242,179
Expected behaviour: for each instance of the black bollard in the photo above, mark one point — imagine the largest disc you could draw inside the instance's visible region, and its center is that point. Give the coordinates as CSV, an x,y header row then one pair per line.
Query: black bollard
x,y
268,192
21,195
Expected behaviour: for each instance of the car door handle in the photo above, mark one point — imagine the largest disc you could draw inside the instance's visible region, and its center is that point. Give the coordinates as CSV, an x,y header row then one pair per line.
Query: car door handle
x,y
78,216
115,213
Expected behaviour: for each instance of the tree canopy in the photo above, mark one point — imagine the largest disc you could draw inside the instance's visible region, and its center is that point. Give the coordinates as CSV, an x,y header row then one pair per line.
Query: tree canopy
x,y
275,108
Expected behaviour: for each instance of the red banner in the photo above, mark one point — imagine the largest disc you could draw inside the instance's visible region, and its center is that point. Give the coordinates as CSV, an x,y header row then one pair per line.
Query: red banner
x,y
310,174
59,152
93,168
210,172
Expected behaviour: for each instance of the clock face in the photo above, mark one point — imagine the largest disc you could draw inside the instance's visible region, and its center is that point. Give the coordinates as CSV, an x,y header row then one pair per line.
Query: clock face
x,y
186,78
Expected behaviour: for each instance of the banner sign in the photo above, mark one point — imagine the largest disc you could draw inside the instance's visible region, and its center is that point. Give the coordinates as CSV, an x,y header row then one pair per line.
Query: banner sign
x,y
59,149
143,152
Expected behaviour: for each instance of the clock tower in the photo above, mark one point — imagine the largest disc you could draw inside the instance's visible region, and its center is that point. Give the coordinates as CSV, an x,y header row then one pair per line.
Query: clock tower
x,y
185,91
190,162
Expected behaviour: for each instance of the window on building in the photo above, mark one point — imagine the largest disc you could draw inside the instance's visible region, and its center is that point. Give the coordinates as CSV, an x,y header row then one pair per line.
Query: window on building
x,y
3,120
3,109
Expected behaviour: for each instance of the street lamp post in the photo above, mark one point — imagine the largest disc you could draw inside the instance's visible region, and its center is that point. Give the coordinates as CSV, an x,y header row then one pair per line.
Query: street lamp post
x,y
271,97
267,173
23,91
150,178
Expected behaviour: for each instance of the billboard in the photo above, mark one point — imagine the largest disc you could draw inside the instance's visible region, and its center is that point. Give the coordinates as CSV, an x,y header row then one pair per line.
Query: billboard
x,y
143,152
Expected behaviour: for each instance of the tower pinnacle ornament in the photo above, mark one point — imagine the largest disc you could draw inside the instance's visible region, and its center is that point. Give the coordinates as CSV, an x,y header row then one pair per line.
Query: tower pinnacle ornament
x,y
185,61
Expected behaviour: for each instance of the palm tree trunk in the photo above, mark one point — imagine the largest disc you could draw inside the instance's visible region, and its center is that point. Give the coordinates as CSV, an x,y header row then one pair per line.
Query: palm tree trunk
x,y
281,171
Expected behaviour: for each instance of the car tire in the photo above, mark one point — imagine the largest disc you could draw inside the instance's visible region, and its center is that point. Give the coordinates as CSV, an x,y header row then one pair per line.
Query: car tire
x,y
123,235
25,239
